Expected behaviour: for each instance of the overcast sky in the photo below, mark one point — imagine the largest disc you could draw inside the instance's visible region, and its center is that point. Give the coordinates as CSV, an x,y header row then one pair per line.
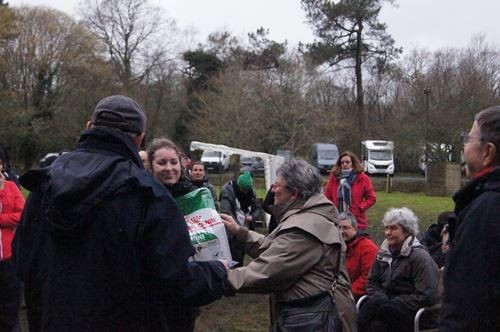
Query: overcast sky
x,y
430,24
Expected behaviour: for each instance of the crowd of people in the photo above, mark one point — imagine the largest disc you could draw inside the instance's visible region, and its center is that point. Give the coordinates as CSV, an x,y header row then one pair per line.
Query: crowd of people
x,y
101,244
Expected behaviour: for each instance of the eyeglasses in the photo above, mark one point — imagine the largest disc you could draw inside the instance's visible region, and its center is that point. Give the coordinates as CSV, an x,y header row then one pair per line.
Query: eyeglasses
x,y
466,138
278,185
345,162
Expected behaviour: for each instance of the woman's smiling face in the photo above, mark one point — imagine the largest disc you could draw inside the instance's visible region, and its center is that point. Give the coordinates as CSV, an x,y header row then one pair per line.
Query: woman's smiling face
x,y
166,166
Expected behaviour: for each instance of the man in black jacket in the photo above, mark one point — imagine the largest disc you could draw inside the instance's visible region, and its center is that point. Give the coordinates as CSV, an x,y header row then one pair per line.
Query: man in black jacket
x,y
472,277
102,245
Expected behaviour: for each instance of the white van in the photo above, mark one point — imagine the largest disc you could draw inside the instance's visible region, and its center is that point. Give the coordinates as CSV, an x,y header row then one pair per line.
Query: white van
x,y
217,161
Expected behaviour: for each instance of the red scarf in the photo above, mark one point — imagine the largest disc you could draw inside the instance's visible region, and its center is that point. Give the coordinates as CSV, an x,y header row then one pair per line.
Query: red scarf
x,y
484,171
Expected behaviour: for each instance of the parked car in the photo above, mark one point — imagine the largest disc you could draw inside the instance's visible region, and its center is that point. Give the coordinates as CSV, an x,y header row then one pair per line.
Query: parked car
x,y
253,164
287,154
215,161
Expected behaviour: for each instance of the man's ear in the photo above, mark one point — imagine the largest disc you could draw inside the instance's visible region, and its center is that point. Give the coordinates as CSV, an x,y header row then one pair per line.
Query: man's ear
x,y
489,154
89,125
138,140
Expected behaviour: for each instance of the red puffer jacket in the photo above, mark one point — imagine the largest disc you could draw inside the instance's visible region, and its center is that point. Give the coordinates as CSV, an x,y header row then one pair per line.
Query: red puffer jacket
x,y
12,205
360,255
362,196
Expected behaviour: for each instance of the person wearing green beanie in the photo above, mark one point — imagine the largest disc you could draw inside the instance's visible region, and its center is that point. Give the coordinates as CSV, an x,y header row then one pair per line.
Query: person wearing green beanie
x,y
245,181
238,199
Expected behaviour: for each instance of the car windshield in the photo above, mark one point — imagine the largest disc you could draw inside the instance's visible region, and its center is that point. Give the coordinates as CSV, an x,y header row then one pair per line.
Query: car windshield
x,y
211,154
248,160
327,154
381,155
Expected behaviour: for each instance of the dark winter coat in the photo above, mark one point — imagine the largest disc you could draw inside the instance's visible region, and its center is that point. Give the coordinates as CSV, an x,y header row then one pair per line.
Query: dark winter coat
x,y
410,279
229,204
102,245
472,277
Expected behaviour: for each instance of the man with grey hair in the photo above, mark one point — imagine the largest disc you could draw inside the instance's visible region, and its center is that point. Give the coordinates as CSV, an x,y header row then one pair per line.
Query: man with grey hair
x,y
300,261
472,276
102,245
403,278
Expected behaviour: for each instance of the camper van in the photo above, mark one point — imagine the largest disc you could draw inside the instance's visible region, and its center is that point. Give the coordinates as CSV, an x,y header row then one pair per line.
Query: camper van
x,y
378,157
323,156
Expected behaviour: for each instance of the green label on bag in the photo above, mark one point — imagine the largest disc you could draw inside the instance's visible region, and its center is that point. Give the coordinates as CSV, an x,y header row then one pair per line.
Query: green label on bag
x,y
198,238
197,199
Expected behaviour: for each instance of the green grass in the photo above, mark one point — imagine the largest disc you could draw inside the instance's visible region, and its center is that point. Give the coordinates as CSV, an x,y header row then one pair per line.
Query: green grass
x,y
243,312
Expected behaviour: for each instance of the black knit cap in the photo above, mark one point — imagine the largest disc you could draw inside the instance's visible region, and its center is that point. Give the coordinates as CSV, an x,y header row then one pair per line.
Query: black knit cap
x,y
120,112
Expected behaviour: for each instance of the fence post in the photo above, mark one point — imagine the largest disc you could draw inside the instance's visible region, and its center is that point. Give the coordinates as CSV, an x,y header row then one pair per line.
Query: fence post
x,y
388,184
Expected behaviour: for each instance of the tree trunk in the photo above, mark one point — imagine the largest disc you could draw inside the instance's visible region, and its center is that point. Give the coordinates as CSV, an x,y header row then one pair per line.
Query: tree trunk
x,y
360,102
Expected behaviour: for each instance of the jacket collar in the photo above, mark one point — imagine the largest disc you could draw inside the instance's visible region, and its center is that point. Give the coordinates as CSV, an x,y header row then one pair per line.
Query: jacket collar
x,y
113,140
475,187
283,211
410,243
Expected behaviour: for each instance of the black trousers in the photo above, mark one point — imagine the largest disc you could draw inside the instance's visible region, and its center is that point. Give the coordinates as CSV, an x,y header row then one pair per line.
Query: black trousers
x,y
10,297
380,314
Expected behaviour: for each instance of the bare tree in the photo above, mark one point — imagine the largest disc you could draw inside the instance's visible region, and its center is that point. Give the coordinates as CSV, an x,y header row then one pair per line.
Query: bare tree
x,y
134,32
266,110
45,62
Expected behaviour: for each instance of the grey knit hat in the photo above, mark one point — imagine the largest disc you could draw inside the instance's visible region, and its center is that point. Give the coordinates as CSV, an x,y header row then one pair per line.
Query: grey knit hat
x,y
119,112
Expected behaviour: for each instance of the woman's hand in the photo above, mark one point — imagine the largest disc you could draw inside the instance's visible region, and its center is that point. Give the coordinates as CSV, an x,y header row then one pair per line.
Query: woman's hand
x,y
228,221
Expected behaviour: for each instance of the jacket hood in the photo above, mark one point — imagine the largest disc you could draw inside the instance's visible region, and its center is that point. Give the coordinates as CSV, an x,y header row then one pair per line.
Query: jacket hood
x,y
410,243
104,163
318,202
324,228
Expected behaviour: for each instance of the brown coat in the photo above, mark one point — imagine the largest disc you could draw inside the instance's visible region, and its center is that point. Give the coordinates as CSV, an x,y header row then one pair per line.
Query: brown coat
x,y
298,258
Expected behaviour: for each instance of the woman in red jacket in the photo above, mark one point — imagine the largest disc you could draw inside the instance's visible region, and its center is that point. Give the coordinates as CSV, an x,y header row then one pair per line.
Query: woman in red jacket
x,y
350,189
11,206
360,253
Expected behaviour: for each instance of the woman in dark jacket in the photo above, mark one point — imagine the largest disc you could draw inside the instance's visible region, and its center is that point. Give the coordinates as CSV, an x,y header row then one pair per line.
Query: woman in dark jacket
x,y
165,165
403,278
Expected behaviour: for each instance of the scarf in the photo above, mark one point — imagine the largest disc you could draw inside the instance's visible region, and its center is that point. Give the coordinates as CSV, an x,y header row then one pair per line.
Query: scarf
x,y
344,192
245,198
180,188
